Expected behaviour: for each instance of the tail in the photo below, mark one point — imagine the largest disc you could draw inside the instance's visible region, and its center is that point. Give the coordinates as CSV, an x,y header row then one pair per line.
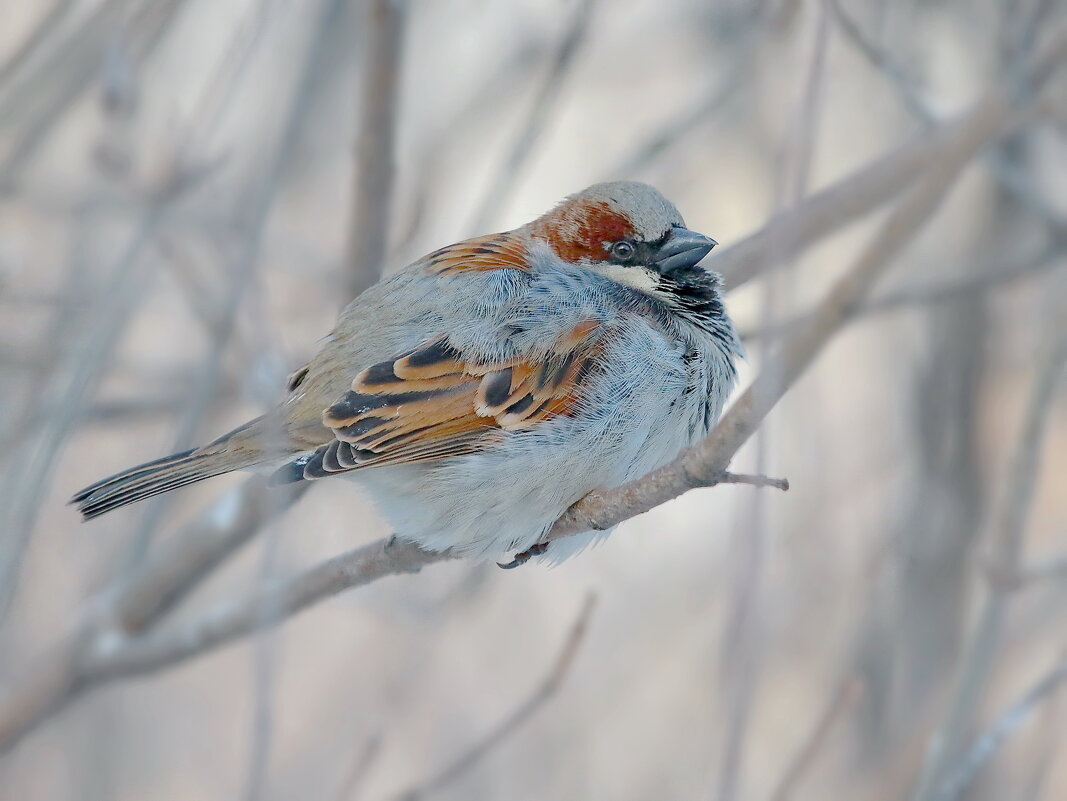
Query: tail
x,y
163,475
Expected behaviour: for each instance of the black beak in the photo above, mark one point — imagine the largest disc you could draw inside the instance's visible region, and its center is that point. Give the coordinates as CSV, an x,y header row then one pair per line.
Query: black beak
x,y
683,248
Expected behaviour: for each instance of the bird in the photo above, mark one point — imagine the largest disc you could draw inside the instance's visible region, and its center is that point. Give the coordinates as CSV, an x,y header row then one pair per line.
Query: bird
x,y
479,392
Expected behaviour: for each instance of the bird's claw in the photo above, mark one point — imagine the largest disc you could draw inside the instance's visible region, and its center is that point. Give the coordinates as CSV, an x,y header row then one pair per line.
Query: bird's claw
x,y
522,558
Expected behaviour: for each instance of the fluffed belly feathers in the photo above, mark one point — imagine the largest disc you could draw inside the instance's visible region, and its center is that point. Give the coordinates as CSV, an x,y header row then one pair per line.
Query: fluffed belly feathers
x,y
662,398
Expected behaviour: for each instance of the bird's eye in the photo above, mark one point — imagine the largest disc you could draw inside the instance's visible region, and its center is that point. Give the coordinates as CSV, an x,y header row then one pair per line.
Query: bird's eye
x,y
623,251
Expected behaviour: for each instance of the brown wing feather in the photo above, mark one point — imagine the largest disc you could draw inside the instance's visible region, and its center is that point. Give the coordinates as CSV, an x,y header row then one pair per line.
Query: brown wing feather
x,y
492,252
433,402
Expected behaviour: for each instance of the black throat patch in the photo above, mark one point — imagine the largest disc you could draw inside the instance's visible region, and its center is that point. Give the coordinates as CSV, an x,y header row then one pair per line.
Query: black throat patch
x,y
695,292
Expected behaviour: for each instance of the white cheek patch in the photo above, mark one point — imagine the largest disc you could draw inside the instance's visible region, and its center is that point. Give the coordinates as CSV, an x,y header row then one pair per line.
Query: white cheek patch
x,y
638,277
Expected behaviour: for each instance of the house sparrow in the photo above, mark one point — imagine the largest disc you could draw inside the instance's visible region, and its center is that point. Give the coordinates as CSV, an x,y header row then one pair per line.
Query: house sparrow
x,y
482,390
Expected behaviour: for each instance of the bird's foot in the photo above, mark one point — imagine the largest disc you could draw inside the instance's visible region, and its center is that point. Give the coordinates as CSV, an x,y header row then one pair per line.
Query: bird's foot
x,y
524,557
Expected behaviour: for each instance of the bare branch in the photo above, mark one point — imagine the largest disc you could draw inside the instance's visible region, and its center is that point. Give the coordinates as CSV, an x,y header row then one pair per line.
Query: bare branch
x,y
1008,175
34,41
173,570
548,687
228,621
372,196
537,117
1053,568
934,292
983,748
361,767
1006,551
714,102
868,188
843,699
884,63
165,579
35,99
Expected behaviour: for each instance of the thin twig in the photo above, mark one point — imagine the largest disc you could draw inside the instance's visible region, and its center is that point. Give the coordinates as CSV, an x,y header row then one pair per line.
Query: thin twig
x,y
260,195
372,196
843,699
884,63
742,647
548,687
868,188
1052,568
934,292
717,100
35,41
36,100
982,749
979,654
361,767
754,481
536,119
1009,178
174,571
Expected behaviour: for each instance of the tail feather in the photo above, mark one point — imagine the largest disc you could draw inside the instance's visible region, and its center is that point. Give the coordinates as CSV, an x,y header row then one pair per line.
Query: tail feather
x,y
151,478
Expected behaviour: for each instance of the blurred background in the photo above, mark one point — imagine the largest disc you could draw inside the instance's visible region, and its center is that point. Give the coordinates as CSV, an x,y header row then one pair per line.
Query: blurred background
x,y
190,190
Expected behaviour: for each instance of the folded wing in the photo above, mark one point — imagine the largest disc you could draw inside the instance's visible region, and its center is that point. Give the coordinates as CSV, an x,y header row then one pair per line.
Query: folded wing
x,y
436,402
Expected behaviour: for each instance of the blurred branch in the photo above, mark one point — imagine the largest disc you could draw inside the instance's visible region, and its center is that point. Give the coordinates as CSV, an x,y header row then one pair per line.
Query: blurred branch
x,y
79,370
733,38
256,199
1006,552
34,41
188,558
1053,568
884,63
372,195
166,577
361,768
33,100
830,209
171,573
526,52
934,292
843,699
983,748
543,694
94,653
715,101
537,118
1010,178
742,644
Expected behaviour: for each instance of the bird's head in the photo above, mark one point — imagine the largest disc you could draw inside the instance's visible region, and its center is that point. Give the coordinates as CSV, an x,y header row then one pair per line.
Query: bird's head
x,y
627,231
